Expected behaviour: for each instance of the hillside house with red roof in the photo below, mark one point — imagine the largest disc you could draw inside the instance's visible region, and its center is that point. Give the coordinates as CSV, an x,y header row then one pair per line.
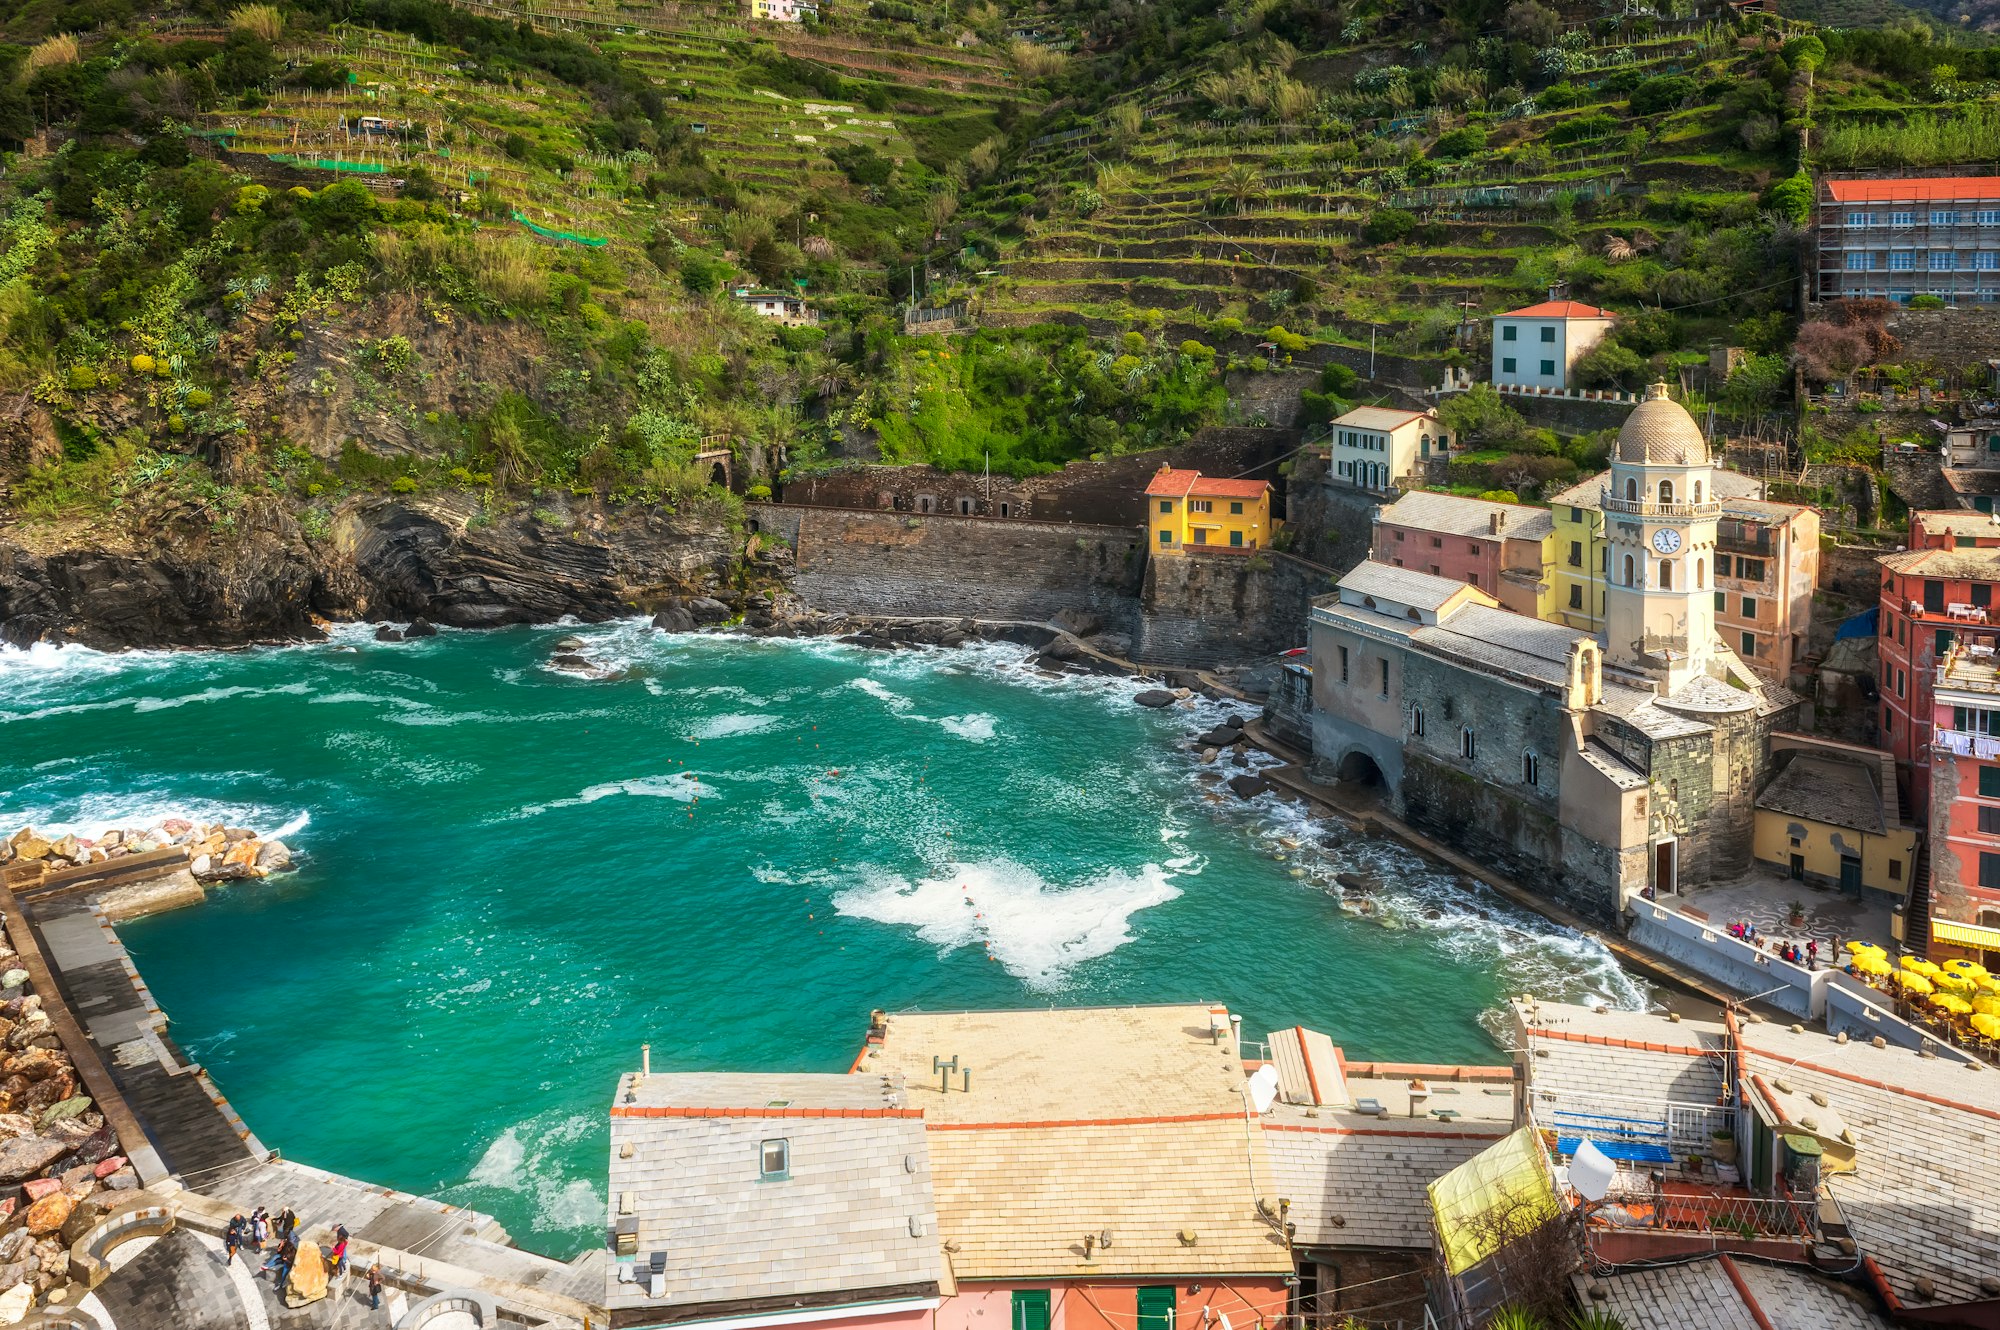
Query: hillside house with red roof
x,y
1535,347
1187,509
1901,238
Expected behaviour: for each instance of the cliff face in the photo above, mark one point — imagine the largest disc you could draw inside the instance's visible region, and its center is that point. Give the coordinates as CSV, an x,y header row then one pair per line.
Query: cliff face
x,y
445,559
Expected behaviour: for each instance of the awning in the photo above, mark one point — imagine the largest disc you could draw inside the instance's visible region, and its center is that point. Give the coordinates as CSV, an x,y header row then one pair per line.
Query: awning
x,y
1510,1176
1966,935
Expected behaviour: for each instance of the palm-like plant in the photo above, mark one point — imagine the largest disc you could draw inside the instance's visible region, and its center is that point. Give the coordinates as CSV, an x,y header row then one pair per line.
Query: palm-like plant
x,y
1516,1318
1241,184
1595,1318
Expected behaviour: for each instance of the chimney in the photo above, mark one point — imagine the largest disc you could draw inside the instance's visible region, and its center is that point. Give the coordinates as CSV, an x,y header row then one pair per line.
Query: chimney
x,y
1495,520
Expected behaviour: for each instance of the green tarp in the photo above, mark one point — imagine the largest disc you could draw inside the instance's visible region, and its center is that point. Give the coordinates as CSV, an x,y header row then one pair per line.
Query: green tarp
x,y
595,242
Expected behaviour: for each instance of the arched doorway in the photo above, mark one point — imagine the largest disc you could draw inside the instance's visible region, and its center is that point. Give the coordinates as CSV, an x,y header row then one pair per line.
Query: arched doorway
x,y
1357,768
718,475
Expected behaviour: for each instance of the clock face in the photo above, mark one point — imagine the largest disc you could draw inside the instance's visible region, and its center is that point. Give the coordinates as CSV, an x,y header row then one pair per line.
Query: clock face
x,y
1666,540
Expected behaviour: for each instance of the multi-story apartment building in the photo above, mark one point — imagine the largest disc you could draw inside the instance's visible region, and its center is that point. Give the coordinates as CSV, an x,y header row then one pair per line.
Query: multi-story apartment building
x,y
1909,237
1501,548
1965,802
1766,566
1933,594
1187,510
1536,346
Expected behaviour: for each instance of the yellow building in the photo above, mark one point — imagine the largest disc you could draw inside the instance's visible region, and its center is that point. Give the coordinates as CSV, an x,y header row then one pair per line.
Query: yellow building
x,y
1187,509
1831,817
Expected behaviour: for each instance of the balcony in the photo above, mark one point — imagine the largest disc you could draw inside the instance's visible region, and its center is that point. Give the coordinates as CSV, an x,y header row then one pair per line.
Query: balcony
x,y
1648,508
1745,538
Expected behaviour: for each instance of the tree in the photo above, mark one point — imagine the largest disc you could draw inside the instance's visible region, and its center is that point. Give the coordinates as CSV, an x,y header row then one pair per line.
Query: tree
x,y
1609,364
767,261
1826,350
1240,184
1756,384
1479,416
1535,24
1792,198
1385,226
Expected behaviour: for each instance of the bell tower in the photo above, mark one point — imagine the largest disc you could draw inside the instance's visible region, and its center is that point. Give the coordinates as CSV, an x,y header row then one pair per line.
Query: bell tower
x,y
1660,513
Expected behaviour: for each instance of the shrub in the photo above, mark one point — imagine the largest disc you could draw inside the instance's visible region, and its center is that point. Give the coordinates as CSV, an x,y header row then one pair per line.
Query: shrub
x,y
263,22
1285,340
1927,302
61,49
1459,143
1792,198
1338,379
757,493
1805,52
403,485
141,363
1662,94
82,378
200,398
1385,226
392,355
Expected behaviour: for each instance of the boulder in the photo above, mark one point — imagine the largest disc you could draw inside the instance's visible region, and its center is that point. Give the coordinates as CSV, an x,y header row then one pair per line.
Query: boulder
x,y
274,856
111,838
387,634
1063,648
15,1124
123,1180
674,618
48,1214
81,1220
243,854
707,609
1154,697
98,1146
36,1188
15,1302
34,1064
567,644
176,826
64,1108
14,1245
1222,736
25,1156
569,660
202,865
1247,786
66,847
1080,622
104,1168
420,628
43,1095
32,847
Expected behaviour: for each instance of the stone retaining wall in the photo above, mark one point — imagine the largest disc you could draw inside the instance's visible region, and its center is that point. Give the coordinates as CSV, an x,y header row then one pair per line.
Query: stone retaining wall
x,y
1737,965
1202,609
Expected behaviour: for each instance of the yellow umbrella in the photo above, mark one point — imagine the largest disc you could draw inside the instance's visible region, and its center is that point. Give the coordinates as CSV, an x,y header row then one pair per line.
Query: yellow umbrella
x,y
1966,968
1857,947
1866,964
1918,965
1988,984
1987,1003
1911,982
1950,1002
1955,983
1987,1024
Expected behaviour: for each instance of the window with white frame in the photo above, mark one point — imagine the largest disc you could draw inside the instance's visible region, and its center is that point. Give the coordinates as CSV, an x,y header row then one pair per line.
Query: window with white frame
x,y
1943,260
1987,217
1944,217
1902,219
1902,260
1986,260
1857,263
1861,219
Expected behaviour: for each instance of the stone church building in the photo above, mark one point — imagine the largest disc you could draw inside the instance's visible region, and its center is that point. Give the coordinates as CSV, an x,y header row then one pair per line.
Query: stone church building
x,y
1587,767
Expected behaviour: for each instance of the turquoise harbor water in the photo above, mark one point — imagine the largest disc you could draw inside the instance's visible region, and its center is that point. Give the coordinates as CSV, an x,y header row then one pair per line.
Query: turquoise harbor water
x,y
511,878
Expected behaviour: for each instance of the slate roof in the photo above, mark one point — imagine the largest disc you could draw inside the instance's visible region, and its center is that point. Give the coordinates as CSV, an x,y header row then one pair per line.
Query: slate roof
x,y
1972,480
1957,522
1365,1186
1581,1053
1378,417
1971,565
1078,1120
1456,515
1826,789
854,1220
1503,640
1920,1202
1701,1295
1401,586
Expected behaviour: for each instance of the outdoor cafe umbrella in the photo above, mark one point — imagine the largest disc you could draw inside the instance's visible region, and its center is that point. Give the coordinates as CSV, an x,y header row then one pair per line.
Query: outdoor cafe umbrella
x,y
1955,983
1911,982
1951,1002
1918,965
1867,964
1987,1003
1987,1024
1966,969
1857,946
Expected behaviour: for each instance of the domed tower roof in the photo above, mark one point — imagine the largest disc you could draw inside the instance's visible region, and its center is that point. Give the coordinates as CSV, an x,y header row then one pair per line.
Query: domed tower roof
x,y
1660,430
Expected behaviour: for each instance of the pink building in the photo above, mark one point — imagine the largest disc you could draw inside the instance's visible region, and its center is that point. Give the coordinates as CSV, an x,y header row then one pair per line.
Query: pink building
x,y
1501,548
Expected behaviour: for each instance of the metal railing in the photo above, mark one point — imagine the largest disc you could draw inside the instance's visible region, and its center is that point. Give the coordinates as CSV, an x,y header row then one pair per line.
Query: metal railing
x,y
1689,1213
1985,747
1648,508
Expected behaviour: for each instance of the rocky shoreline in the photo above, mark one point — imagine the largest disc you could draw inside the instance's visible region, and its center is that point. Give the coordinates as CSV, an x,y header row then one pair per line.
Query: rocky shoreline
x,y
62,1168
215,853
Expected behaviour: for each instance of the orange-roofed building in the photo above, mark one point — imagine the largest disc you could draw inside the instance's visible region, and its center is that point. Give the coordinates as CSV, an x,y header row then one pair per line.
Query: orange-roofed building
x,y
1534,347
1902,237
1186,508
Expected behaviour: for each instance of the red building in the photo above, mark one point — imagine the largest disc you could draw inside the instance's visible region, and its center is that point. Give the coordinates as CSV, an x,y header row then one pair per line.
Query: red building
x,y
1932,594
1964,771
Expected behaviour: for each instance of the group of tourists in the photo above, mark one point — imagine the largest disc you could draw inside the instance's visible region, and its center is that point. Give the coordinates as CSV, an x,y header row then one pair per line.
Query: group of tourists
x,y
1783,948
276,1237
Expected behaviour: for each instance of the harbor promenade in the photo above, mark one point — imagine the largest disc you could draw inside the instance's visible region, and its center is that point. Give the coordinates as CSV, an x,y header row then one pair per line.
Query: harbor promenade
x,y
198,1157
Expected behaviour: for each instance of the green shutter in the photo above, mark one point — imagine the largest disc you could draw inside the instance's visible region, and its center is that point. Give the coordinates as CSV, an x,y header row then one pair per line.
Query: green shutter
x,y
1031,1309
1989,782
1156,1308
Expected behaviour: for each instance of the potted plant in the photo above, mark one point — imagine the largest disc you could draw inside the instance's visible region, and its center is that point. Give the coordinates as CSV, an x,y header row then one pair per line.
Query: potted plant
x,y
1722,1145
1796,916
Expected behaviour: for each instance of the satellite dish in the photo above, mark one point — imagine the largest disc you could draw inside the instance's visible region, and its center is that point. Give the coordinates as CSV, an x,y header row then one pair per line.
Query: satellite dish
x,y
1590,1172
1263,1087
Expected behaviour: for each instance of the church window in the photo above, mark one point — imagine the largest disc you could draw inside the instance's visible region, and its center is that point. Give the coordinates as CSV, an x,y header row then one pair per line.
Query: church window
x,y
1666,491
1468,745
1385,677
1343,664
1666,575
1700,565
1531,769
1697,491
1417,721
1632,490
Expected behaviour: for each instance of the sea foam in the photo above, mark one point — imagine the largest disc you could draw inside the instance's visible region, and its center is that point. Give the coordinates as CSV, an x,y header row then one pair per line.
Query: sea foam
x,y
1038,931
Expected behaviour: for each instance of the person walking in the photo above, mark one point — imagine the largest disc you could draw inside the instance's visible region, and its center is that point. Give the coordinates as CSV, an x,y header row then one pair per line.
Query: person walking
x,y
260,1227
232,1238
288,1224
375,1287
1812,953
